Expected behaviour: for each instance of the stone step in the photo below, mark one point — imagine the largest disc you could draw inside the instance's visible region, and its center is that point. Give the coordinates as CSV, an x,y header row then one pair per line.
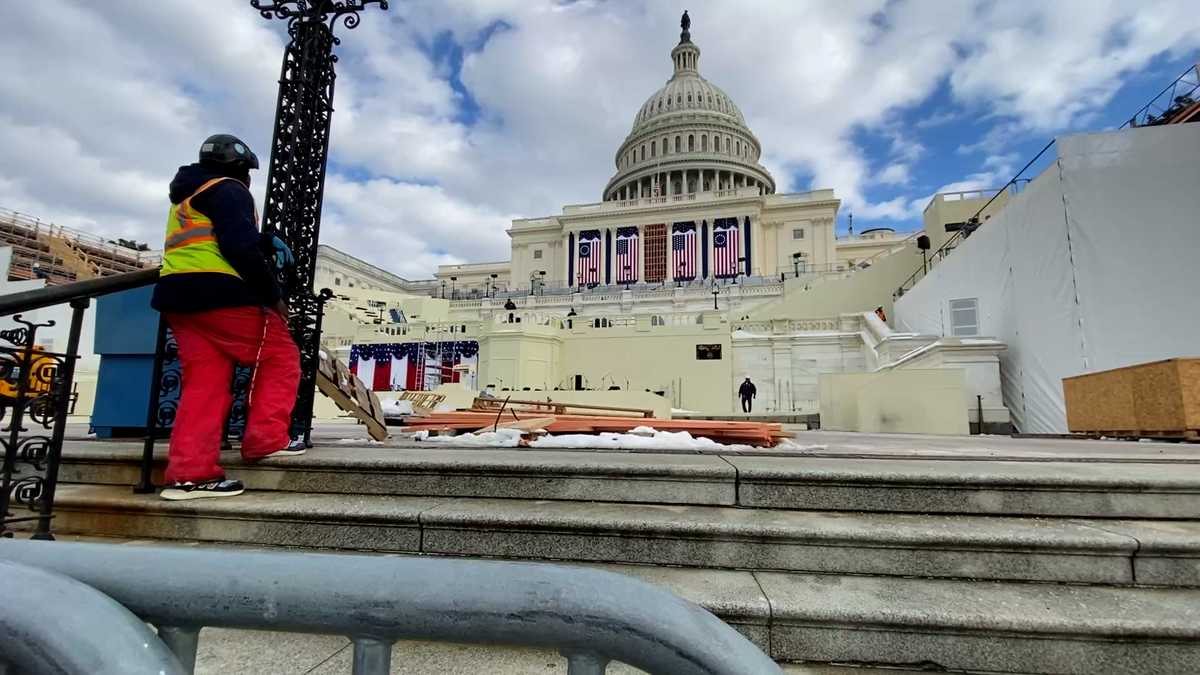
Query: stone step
x,y
1156,553
985,487
859,620
982,626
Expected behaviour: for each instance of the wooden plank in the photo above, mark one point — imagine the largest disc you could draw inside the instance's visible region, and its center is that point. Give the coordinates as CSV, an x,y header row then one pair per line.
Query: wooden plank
x,y
349,394
557,407
527,424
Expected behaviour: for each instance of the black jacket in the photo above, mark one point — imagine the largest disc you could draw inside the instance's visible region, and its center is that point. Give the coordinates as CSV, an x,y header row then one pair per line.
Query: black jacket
x,y
230,207
747,390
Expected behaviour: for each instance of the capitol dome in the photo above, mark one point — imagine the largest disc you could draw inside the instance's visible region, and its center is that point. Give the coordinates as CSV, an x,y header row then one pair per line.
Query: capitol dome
x,y
688,137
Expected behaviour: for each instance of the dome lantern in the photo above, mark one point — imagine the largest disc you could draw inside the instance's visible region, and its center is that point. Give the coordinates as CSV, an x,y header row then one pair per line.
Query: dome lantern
x,y
689,136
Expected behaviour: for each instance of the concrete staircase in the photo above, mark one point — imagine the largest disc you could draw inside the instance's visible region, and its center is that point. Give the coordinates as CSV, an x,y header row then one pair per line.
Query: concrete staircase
x,y
1008,563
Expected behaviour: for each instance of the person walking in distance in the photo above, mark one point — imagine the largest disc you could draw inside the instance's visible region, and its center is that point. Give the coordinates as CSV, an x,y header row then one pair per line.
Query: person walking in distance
x,y
218,294
747,392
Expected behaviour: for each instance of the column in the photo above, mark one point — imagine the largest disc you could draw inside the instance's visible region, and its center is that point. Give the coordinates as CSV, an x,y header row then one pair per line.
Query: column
x,y
570,259
608,240
641,242
748,227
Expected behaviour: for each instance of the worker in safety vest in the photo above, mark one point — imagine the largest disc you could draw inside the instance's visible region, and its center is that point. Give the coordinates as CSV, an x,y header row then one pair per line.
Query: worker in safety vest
x,y
218,293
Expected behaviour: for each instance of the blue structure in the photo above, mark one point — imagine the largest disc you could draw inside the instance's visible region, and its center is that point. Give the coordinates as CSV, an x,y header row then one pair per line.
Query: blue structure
x,y
126,329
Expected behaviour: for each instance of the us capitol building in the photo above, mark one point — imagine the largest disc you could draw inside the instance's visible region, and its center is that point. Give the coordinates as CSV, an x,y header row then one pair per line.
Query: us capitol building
x,y
689,275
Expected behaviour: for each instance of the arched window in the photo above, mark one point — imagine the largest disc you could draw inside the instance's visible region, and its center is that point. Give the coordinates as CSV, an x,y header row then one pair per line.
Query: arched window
x,y
679,99
654,148
691,143
704,144
677,144
665,146
643,152
689,97
727,145
738,145
657,320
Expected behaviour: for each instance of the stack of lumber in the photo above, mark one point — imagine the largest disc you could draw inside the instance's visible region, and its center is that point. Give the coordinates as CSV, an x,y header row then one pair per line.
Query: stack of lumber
x,y
554,408
729,432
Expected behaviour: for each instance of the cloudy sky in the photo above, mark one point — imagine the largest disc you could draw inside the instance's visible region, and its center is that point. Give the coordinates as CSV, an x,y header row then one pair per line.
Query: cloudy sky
x,y
455,116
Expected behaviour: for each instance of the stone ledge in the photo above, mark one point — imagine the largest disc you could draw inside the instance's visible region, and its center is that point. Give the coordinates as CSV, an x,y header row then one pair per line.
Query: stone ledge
x,y
961,625
1018,488
984,487
667,479
692,536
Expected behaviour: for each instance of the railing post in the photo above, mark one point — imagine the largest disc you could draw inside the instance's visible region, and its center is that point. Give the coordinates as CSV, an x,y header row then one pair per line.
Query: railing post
x,y
61,403
324,296
145,483
21,367
372,657
183,643
584,663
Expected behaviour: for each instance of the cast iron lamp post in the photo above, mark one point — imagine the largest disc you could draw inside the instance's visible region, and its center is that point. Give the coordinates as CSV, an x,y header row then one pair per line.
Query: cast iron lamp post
x,y
299,152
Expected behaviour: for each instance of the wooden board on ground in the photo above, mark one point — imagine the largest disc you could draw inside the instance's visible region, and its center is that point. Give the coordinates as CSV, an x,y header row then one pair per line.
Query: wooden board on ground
x,y
527,424
758,434
423,402
348,393
555,408
1160,399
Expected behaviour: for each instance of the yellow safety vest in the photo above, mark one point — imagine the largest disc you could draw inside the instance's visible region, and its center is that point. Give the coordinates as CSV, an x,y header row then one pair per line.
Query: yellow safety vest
x,y
190,244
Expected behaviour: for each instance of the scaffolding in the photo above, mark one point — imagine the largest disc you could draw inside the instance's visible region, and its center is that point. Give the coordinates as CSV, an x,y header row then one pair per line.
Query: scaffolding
x,y
61,255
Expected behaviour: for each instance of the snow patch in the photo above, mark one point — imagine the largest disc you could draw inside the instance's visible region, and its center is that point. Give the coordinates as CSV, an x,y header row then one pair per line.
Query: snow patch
x,y
501,438
397,407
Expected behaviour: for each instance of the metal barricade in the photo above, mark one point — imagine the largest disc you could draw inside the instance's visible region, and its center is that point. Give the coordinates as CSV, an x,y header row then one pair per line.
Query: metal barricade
x,y
590,616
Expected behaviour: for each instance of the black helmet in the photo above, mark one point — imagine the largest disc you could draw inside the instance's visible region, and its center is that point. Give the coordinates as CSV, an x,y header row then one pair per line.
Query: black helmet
x,y
227,150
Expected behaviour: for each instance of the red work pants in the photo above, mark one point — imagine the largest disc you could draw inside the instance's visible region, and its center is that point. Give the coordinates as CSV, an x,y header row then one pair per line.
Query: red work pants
x,y
210,343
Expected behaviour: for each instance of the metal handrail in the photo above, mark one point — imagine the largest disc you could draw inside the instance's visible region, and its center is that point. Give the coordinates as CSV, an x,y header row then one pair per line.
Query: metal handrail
x,y
27,301
50,623
591,616
971,225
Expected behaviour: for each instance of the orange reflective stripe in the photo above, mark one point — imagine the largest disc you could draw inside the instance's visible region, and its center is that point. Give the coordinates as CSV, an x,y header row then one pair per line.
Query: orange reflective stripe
x,y
187,237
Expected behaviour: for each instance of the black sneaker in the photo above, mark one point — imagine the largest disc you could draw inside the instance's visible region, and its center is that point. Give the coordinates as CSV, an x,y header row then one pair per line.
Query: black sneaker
x,y
293,448
221,487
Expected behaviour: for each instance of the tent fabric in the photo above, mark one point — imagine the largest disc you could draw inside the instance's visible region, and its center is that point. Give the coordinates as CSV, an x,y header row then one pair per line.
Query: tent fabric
x,y
1091,267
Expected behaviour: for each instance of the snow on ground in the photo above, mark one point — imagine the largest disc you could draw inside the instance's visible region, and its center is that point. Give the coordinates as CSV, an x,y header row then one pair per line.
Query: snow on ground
x,y
396,407
501,438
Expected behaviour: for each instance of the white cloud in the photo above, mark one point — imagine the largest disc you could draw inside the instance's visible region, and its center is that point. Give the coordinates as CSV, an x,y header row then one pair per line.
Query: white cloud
x,y
894,174
92,129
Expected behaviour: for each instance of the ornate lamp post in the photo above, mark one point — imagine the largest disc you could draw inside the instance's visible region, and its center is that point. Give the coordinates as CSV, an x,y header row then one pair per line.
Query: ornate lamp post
x,y
299,150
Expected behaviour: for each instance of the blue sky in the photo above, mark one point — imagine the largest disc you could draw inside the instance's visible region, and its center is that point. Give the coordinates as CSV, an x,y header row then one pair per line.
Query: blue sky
x,y
456,116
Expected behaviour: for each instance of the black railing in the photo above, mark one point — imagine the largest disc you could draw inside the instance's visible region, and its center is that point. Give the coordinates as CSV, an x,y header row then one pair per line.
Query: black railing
x,y
1178,102
36,395
1177,98
973,223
